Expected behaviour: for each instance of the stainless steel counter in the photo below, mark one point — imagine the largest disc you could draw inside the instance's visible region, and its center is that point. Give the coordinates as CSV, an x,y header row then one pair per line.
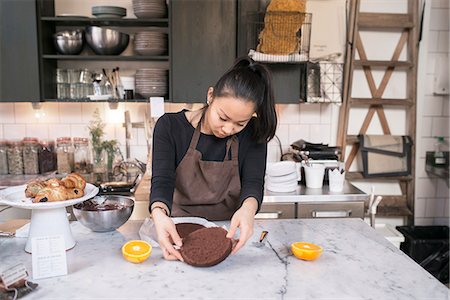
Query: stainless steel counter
x,y
304,194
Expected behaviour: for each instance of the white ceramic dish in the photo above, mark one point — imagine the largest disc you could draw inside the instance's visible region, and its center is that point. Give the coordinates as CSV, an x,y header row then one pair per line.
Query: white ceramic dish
x,y
15,196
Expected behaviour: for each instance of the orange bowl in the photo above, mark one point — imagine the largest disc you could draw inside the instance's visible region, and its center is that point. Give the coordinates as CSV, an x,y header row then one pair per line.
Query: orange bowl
x,y
136,251
306,251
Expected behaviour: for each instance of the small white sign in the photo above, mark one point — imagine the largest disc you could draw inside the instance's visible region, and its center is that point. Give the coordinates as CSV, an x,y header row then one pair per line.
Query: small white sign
x,y
13,275
48,256
156,107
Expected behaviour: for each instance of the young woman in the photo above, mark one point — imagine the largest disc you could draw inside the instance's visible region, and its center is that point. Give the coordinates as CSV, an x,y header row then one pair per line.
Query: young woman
x,y
211,163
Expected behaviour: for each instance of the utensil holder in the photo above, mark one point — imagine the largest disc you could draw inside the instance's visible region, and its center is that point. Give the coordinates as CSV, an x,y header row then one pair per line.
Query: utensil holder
x,y
314,175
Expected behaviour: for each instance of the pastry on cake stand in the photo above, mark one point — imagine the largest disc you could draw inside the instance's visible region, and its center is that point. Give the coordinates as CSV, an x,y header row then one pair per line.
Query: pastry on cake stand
x,y
47,218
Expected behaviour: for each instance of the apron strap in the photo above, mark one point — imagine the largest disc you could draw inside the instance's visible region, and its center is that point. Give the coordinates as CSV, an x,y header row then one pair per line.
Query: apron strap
x,y
232,143
196,135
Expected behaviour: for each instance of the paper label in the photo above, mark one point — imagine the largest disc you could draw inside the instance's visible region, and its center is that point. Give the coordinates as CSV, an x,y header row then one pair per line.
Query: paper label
x,y
156,107
48,256
13,275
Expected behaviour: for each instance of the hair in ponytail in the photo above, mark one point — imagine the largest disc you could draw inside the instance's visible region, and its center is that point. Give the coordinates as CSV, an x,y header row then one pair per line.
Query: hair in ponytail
x,y
251,81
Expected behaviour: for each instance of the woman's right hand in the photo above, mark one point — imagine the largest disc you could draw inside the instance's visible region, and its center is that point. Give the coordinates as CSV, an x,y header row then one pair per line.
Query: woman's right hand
x,y
167,232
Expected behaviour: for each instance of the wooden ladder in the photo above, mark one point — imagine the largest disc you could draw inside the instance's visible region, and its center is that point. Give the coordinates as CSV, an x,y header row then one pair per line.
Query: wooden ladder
x,y
407,25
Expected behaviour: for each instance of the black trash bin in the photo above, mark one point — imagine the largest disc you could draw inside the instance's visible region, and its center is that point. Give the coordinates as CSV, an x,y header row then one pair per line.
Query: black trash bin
x,y
429,247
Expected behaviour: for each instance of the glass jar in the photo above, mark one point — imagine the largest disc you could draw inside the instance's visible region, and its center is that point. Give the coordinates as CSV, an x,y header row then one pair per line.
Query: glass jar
x,y
47,157
64,155
100,158
30,151
3,158
82,155
15,158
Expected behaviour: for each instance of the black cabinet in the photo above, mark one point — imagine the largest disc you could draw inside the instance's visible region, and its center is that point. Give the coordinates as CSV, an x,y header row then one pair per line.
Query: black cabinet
x,y
204,40
19,54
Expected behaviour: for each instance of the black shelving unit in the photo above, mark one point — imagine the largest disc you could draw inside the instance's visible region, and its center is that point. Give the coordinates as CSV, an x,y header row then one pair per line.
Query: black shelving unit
x,y
48,24
106,57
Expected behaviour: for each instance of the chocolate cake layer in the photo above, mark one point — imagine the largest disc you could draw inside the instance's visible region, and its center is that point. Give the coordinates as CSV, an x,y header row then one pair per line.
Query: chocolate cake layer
x,y
184,229
206,247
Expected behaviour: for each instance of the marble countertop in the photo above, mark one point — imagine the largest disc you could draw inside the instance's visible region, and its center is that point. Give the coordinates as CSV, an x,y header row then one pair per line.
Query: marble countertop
x,y
357,263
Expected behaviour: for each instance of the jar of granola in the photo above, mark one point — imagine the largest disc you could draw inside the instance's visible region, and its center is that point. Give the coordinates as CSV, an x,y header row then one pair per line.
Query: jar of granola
x,y
3,157
82,155
30,151
64,155
15,158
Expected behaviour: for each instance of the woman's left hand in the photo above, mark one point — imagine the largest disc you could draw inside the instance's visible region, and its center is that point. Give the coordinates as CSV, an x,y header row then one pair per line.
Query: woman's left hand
x,y
243,219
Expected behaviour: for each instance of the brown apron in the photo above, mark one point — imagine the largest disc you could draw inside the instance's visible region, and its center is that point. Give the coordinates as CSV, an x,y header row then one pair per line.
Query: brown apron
x,y
208,189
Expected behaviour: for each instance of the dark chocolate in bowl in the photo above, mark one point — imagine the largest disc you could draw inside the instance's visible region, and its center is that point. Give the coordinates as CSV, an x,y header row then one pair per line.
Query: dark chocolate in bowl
x,y
104,213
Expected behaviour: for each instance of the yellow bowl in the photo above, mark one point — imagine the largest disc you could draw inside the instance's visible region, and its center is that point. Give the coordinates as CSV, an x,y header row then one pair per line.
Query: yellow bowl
x,y
306,251
136,251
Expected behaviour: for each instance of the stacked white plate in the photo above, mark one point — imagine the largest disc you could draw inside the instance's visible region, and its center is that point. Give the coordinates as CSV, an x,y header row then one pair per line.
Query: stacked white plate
x,y
150,8
150,43
109,11
151,82
281,177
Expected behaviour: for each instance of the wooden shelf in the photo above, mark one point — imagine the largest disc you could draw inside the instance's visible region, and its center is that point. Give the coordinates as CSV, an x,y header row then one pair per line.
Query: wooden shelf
x,y
128,22
380,21
383,64
107,57
379,101
359,175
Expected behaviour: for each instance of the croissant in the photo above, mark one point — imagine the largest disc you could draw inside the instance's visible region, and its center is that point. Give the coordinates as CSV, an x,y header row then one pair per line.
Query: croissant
x,y
74,193
34,187
54,182
52,194
74,180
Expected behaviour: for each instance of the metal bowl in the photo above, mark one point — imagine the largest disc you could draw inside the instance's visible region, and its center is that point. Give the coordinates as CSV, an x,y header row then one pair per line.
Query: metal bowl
x,y
69,42
104,213
106,41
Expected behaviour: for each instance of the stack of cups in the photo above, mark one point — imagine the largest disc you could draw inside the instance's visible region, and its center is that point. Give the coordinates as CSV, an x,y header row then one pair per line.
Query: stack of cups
x,y
62,84
73,84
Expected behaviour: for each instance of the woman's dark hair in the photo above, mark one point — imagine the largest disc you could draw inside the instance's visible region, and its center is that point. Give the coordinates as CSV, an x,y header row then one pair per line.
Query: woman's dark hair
x,y
251,81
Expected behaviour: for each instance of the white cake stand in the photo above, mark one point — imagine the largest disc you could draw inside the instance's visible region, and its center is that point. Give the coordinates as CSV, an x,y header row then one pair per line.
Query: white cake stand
x,y
47,218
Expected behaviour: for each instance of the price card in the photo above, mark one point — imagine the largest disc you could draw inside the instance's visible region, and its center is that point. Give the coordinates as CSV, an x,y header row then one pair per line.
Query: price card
x,y
13,275
48,256
156,107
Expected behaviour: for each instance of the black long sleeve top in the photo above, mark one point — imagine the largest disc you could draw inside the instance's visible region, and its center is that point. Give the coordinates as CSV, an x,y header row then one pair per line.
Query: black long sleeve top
x,y
171,139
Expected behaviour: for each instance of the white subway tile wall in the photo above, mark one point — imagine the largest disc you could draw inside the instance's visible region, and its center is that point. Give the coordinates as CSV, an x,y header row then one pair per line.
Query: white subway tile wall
x,y
432,193
311,122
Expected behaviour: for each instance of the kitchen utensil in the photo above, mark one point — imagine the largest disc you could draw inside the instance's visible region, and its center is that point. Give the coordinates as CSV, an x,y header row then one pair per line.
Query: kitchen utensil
x,y
104,41
112,213
262,240
306,251
336,180
69,42
314,175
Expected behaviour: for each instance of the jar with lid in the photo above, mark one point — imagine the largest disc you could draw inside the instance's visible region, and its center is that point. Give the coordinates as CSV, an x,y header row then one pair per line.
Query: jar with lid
x,y
30,151
47,156
3,157
64,155
15,158
82,155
